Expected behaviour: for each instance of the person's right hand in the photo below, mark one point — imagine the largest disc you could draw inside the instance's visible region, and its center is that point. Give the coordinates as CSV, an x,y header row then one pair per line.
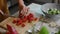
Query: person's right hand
x,y
3,14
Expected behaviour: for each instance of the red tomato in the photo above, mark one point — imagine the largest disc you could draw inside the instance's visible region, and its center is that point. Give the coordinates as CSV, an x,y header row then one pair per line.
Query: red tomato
x,y
20,15
31,15
11,29
24,19
15,21
20,22
35,19
23,25
30,19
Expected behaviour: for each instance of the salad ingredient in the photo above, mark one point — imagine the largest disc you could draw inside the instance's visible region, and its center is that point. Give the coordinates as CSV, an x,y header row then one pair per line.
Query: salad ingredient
x,y
23,25
19,21
44,30
11,29
53,11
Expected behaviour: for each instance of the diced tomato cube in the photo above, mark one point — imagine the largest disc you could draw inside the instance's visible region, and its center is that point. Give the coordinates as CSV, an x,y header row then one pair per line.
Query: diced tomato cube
x,y
15,21
24,19
23,25
35,19
30,19
19,22
20,15
31,15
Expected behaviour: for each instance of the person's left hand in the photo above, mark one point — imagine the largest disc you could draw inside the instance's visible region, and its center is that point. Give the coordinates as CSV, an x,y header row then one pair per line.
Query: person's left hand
x,y
24,10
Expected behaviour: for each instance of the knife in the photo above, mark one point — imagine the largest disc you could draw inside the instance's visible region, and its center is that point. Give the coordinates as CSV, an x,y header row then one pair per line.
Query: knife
x,y
3,14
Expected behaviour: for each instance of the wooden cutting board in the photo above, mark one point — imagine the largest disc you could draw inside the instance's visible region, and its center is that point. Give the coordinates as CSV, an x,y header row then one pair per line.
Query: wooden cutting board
x,y
20,30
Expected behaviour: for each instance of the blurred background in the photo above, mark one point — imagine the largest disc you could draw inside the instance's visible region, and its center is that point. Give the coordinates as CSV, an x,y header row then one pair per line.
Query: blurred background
x,y
13,4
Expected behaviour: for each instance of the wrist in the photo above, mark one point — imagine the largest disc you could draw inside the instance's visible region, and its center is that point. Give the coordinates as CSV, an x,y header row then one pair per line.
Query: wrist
x,y
22,5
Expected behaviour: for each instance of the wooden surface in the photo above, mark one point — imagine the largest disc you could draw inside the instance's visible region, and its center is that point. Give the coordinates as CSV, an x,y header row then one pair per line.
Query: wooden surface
x,y
20,30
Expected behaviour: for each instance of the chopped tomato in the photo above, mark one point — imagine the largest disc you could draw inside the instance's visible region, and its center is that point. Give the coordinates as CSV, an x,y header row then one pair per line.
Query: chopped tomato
x,y
31,19
31,15
20,22
14,21
23,25
20,15
35,19
24,19
11,29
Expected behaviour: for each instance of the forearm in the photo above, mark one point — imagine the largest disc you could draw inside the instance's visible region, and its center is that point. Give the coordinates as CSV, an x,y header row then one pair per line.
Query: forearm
x,y
21,3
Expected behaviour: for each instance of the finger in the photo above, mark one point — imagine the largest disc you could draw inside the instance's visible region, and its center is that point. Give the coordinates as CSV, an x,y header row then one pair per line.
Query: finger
x,y
1,12
23,12
28,9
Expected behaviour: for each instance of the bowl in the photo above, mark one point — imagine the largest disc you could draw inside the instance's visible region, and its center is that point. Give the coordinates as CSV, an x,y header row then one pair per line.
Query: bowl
x,y
52,6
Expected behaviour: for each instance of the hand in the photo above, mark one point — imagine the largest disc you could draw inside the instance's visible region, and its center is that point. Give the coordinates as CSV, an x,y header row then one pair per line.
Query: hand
x,y
24,10
3,14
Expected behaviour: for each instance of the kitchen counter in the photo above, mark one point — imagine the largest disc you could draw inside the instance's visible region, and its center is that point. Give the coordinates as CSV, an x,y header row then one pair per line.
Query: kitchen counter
x,y
34,8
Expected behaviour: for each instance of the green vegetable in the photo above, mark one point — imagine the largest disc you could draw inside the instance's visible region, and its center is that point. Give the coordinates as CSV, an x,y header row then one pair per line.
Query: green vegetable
x,y
53,11
58,32
44,30
49,10
58,11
